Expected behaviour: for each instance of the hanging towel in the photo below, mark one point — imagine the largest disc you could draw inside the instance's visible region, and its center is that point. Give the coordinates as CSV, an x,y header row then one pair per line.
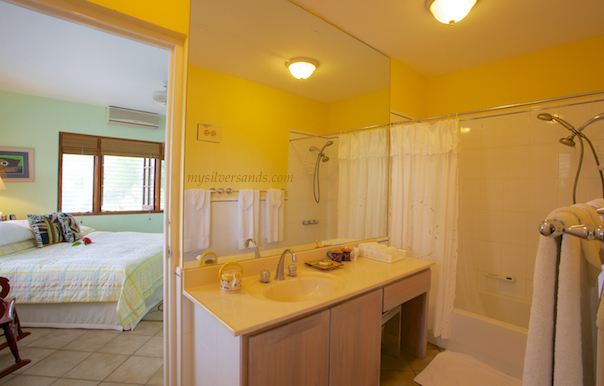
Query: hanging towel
x,y
573,332
248,210
197,219
274,215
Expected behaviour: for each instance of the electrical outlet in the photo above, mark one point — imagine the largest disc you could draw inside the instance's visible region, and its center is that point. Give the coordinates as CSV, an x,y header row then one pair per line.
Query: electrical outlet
x,y
209,133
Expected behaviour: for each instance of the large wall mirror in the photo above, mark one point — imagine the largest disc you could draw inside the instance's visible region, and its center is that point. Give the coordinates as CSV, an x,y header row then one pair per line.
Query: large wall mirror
x,y
251,125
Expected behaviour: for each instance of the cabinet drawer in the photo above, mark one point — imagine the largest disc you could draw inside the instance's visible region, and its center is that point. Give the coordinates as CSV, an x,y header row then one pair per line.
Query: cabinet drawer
x,y
406,289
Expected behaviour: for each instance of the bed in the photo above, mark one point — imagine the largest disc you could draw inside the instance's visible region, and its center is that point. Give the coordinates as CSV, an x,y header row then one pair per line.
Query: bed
x,y
109,284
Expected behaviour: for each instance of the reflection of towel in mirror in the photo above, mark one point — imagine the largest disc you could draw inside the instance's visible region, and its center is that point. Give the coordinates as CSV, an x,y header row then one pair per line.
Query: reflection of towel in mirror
x,y
274,215
248,215
197,219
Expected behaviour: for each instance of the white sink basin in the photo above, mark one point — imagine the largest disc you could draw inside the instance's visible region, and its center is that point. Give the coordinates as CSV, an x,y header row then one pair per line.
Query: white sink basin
x,y
307,286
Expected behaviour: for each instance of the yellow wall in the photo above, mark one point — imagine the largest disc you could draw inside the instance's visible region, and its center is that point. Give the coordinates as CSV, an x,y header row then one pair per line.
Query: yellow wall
x,y
366,110
173,14
255,121
561,71
408,91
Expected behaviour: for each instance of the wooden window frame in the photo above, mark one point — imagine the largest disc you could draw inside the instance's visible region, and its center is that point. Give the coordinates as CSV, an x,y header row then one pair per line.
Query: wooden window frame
x,y
97,194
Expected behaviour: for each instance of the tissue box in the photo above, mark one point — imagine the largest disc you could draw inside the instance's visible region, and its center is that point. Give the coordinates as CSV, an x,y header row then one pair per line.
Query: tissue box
x,y
384,257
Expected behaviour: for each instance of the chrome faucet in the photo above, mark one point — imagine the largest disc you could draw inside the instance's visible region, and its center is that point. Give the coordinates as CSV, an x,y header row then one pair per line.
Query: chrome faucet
x,y
256,251
279,275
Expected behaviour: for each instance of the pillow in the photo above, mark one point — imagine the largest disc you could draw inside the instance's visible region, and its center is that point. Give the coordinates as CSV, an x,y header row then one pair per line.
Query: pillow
x,y
7,249
69,227
86,230
47,228
14,231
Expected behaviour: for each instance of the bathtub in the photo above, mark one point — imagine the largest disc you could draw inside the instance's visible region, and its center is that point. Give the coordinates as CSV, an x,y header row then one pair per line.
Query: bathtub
x,y
499,344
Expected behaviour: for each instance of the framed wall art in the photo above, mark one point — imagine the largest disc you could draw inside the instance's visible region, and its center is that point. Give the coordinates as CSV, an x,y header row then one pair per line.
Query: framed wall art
x,y
17,164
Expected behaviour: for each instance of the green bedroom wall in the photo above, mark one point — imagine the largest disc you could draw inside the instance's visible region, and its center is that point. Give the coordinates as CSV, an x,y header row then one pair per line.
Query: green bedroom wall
x,y
35,122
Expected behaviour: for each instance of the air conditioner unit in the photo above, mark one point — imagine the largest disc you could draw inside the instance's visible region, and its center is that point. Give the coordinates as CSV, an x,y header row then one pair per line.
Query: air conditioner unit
x,y
132,118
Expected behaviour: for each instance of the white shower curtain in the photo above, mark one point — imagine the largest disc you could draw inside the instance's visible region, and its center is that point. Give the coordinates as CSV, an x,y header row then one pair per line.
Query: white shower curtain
x,y
424,206
363,184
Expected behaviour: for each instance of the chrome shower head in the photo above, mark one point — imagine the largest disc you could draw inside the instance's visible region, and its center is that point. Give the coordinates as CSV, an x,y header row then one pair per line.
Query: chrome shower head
x,y
313,149
325,158
329,143
568,141
550,118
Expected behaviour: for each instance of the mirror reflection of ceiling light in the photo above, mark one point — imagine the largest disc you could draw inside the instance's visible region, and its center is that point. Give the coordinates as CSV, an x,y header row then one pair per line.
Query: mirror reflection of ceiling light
x,y
302,68
450,11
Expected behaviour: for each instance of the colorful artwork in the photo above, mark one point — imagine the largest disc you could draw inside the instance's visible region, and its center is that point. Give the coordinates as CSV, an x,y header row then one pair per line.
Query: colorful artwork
x,y
16,164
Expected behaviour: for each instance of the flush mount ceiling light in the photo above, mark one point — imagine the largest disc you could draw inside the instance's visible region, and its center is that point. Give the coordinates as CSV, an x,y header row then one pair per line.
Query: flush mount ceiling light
x,y
450,11
161,97
302,68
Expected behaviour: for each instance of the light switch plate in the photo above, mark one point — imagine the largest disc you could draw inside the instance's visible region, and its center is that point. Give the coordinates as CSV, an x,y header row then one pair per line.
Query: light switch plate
x,y
209,133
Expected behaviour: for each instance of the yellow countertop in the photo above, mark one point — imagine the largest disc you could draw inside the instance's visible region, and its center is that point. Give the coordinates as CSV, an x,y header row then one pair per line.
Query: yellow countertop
x,y
241,313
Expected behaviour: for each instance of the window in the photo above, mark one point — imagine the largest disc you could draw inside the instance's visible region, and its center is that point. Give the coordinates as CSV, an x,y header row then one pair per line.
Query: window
x,y
109,175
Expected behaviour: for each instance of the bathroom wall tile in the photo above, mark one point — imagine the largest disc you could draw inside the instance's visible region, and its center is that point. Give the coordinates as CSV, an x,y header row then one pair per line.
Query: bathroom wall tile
x,y
516,162
469,194
514,260
517,131
490,257
542,132
514,228
516,195
490,225
491,194
226,376
205,363
530,262
205,329
543,194
491,160
228,351
543,161
516,289
528,295
488,283
469,163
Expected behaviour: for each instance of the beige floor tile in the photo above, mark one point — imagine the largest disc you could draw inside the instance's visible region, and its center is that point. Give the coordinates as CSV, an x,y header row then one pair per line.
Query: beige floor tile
x,y
97,366
74,382
153,348
30,380
57,364
58,338
92,341
7,378
33,353
136,370
157,379
160,332
419,364
392,363
117,384
397,378
35,334
125,344
147,328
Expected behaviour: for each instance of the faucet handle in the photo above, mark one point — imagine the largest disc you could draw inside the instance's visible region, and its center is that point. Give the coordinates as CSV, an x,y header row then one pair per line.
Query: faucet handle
x,y
294,257
265,276
292,269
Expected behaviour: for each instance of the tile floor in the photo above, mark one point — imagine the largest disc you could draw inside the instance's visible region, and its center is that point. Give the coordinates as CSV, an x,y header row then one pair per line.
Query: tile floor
x,y
61,357
401,371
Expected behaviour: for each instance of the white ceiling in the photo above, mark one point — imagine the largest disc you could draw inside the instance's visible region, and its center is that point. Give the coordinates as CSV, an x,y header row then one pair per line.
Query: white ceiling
x,y
494,30
48,57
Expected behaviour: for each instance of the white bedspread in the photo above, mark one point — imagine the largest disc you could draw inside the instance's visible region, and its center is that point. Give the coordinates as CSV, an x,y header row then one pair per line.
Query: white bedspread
x,y
118,266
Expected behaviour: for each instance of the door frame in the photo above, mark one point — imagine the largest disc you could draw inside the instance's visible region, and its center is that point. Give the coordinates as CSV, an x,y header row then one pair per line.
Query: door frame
x,y
101,18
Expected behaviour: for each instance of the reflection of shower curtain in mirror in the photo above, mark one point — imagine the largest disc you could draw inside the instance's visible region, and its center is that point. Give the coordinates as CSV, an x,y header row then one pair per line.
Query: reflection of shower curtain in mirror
x,y
424,206
363,184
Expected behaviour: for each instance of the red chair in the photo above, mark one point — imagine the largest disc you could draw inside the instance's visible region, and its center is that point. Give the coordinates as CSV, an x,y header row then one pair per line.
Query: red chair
x,y
9,321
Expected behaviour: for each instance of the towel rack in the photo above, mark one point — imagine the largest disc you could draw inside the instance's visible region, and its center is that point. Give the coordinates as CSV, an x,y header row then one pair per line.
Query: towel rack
x,y
555,228
229,191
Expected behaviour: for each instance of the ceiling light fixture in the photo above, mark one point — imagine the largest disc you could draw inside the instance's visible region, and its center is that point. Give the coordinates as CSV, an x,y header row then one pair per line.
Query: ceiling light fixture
x,y
302,68
450,11
161,97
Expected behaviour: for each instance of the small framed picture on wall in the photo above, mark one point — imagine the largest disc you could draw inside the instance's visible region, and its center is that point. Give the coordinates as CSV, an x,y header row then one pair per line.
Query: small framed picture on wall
x,y
17,164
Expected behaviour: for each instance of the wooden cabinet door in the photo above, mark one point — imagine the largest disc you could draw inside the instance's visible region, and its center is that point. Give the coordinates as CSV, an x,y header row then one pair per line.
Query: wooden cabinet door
x,y
294,354
356,328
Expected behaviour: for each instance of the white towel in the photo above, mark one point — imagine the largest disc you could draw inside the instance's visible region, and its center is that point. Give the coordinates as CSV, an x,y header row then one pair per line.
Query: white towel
x,y
248,211
274,215
197,219
575,309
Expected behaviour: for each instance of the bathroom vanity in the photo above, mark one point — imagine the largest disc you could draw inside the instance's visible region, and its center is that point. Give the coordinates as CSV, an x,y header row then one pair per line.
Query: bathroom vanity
x,y
285,333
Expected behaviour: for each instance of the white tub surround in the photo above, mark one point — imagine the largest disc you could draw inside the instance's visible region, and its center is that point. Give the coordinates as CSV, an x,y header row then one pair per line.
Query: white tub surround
x,y
229,330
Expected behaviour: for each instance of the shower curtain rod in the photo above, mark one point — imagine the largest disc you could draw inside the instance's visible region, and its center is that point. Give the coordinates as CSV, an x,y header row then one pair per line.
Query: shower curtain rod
x,y
336,134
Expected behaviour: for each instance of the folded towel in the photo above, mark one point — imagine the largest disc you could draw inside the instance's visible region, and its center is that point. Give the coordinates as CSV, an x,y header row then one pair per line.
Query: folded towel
x,y
274,215
248,215
197,219
574,346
